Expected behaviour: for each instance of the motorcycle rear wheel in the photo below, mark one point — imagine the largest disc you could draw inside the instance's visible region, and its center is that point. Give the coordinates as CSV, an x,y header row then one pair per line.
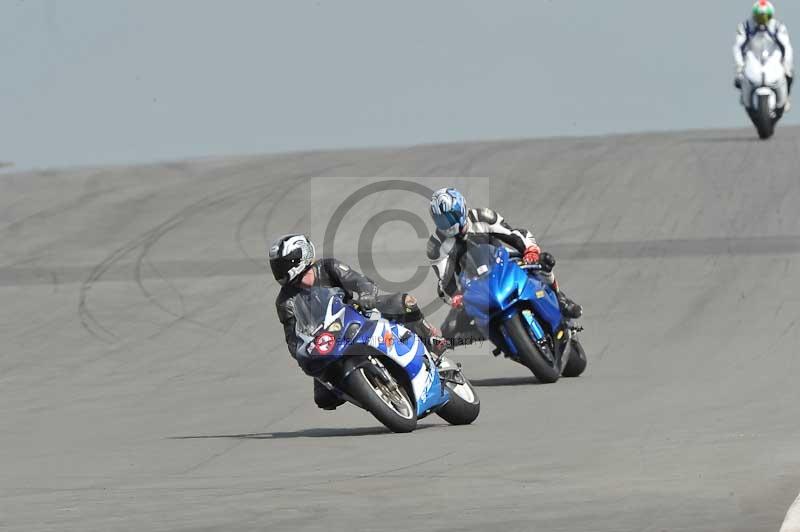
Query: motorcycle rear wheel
x,y
577,360
464,405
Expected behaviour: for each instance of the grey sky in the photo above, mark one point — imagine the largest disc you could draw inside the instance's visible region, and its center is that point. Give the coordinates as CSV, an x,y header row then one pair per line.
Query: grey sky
x,y
102,81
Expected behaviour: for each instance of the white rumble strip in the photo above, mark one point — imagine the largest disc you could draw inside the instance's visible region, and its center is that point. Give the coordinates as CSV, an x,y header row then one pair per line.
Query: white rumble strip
x,y
792,521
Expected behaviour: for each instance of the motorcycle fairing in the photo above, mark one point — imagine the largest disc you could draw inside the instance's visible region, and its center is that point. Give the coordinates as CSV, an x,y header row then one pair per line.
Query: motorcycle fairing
x,y
504,288
386,337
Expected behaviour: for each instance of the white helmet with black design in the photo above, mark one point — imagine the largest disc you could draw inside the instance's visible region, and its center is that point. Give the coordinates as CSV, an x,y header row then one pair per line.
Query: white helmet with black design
x,y
290,256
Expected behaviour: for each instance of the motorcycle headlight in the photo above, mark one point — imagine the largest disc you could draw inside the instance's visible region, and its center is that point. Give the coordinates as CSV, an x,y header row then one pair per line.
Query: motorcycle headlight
x,y
352,331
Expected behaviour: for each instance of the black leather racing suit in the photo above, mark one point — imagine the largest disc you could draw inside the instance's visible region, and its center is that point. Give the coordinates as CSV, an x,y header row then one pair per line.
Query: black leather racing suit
x,y
359,289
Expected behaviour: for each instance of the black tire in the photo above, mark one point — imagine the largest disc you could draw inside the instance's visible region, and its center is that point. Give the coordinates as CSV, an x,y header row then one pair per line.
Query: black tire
x,y
765,125
577,360
464,405
528,352
364,385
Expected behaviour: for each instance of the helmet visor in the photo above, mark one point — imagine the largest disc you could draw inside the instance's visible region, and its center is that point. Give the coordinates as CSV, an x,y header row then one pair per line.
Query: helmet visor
x,y
762,17
446,220
281,266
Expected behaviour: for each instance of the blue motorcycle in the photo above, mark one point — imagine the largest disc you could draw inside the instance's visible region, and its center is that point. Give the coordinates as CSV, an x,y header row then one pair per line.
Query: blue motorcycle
x,y
519,313
378,365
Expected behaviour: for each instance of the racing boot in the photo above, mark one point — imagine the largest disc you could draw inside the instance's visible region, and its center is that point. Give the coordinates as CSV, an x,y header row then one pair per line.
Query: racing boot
x,y
324,398
569,308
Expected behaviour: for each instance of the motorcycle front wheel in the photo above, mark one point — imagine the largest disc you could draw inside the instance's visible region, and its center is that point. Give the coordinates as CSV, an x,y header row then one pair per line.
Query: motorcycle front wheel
x,y
377,391
529,353
762,118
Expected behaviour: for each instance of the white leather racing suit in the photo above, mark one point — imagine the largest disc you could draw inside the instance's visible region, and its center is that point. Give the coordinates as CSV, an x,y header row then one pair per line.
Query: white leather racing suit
x,y
777,30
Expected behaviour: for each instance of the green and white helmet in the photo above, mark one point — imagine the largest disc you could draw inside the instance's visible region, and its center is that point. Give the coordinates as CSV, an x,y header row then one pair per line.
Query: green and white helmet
x,y
763,11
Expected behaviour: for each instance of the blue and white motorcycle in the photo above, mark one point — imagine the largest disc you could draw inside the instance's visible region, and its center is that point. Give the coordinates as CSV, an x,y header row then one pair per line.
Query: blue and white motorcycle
x,y
519,313
378,365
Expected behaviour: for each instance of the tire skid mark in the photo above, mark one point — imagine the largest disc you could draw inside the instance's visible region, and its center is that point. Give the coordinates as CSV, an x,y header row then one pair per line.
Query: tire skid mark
x,y
244,219
145,249
239,442
137,274
88,320
407,466
60,208
156,237
292,186
169,284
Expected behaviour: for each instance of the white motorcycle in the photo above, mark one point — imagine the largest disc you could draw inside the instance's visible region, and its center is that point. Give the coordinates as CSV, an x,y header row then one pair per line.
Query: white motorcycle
x,y
764,87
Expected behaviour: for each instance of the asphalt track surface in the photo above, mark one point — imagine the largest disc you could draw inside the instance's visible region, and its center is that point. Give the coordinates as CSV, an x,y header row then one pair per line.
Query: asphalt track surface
x,y
145,385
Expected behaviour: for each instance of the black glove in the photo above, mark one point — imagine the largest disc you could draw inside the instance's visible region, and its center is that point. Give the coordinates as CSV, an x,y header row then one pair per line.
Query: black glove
x,y
789,81
737,83
365,301
547,261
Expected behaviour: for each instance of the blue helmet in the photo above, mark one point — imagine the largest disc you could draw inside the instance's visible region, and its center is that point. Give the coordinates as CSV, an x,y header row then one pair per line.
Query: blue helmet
x,y
449,211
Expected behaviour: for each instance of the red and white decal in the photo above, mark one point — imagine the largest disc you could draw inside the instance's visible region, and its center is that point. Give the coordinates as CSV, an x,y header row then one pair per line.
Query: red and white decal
x,y
324,343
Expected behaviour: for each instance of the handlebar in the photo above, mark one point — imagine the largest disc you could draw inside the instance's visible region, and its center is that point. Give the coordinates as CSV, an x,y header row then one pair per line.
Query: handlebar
x,y
369,313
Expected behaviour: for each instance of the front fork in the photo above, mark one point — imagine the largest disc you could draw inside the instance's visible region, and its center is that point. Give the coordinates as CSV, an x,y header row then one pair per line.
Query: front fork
x,y
450,371
350,366
556,348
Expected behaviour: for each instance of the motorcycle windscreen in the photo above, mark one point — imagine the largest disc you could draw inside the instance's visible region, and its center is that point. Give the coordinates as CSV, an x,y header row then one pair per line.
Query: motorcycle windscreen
x,y
485,287
478,260
311,309
315,310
